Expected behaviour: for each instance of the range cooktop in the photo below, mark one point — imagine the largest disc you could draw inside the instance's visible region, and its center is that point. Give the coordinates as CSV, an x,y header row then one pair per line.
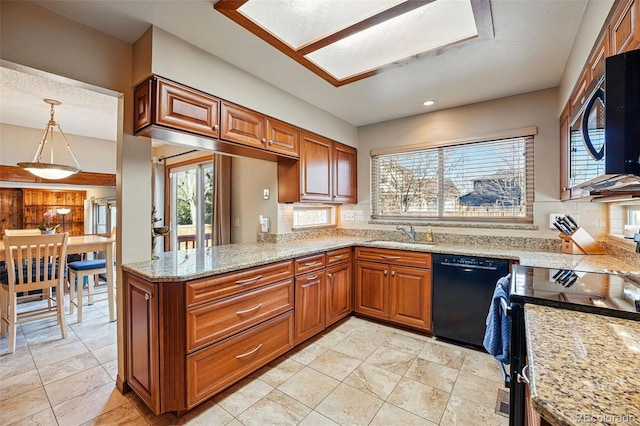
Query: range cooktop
x,y
611,293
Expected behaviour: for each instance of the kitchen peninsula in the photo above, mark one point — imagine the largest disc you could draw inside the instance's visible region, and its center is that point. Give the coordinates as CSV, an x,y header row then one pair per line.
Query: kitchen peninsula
x,y
201,319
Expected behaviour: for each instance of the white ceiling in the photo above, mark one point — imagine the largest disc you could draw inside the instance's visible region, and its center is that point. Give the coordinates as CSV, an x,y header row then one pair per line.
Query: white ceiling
x,y
532,42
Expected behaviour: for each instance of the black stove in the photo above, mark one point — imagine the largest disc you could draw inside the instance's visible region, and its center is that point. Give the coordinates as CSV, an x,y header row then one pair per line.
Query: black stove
x,y
611,293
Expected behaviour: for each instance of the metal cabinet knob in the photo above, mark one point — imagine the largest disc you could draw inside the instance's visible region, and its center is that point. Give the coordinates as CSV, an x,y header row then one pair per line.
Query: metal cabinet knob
x,y
329,275
385,272
270,141
216,127
263,140
393,273
147,296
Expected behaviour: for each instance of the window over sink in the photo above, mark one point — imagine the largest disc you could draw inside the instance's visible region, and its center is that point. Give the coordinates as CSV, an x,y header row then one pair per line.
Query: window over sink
x,y
487,179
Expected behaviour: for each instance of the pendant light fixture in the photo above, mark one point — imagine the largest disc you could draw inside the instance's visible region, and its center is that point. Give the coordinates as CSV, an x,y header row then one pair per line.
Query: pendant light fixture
x,y
51,170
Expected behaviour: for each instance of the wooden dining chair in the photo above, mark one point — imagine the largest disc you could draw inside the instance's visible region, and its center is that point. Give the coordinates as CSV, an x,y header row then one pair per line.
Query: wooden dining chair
x,y
90,269
14,232
33,262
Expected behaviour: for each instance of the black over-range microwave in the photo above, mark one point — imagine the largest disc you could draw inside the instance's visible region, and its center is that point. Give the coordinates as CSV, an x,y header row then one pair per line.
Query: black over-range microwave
x,y
605,133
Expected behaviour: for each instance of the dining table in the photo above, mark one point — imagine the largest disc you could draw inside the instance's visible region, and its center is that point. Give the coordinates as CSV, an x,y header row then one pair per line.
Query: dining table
x,y
89,244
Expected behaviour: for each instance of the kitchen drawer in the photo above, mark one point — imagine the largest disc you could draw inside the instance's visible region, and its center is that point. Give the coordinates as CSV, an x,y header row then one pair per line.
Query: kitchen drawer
x,y
396,257
218,320
338,256
218,366
309,263
216,287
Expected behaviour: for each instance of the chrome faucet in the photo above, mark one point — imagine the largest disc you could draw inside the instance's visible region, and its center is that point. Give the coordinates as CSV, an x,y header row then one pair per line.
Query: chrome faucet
x,y
411,233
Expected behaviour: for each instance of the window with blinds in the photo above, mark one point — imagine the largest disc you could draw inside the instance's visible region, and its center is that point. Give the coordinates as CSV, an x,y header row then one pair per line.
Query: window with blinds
x,y
483,180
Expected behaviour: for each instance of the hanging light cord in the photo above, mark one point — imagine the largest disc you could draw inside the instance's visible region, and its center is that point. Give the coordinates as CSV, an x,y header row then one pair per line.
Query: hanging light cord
x,y
43,141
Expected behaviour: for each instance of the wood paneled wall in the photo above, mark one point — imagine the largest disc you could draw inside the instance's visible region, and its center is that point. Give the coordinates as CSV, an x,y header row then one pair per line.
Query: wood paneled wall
x,y
25,208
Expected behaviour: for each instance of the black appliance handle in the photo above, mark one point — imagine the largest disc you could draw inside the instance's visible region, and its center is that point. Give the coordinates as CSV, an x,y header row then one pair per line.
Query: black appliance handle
x,y
457,265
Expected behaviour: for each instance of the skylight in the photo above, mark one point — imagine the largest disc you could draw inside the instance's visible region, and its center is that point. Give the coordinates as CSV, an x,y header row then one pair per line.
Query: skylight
x,y
346,40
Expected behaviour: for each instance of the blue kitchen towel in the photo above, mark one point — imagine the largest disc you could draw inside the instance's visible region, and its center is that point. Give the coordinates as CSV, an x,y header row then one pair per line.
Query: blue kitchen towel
x,y
497,337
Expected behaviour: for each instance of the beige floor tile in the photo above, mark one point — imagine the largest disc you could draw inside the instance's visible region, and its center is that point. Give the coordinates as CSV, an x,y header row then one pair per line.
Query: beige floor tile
x,y
44,331
335,364
100,340
56,351
67,367
124,415
276,408
242,395
279,371
432,374
21,342
349,406
207,414
24,405
483,365
309,386
106,354
42,418
20,360
307,353
404,343
477,389
446,355
461,412
356,347
19,383
389,414
331,338
81,383
419,399
316,419
89,405
391,360
373,380
111,368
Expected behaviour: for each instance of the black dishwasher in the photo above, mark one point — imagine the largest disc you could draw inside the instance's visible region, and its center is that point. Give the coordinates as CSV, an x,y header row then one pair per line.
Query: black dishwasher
x,y
462,291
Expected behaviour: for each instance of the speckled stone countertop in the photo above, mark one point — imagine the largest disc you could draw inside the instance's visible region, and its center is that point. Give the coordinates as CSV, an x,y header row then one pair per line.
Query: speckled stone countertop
x,y
583,368
199,263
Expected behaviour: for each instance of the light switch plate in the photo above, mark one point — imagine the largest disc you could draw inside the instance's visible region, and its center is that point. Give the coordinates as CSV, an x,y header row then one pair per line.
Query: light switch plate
x,y
552,218
349,215
265,193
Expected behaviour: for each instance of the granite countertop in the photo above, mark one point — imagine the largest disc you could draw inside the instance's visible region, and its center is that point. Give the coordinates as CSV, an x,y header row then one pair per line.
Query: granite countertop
x,y
583,368
199,263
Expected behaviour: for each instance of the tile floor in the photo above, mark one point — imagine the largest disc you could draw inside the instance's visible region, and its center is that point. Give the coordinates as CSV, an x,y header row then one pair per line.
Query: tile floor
x,y
356,373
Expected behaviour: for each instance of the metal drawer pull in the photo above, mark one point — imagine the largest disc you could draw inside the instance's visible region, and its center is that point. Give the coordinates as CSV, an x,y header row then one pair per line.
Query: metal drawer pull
x,y
390,257
251,352
312,278
522,378
314,263
340,256
249,280
255,308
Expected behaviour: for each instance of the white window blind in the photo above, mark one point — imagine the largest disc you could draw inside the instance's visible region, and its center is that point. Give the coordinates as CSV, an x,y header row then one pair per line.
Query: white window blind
x,y
487,180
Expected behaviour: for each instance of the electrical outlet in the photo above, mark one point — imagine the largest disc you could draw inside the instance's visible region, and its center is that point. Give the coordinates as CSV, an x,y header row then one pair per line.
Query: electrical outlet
x,y
349,215
552,219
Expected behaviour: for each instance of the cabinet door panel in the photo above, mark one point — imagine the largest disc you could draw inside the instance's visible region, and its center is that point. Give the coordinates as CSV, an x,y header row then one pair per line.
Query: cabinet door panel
x,y
338,292
242,125
186,109
344,174
410,297
316,168
624,30
309,305
282,138
143,372
372,289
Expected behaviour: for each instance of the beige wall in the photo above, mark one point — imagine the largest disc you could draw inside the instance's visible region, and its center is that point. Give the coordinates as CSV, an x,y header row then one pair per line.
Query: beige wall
x,y
19,144
530,109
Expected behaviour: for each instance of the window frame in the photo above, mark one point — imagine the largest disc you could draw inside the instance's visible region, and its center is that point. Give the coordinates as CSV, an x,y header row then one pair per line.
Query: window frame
x,y
528,133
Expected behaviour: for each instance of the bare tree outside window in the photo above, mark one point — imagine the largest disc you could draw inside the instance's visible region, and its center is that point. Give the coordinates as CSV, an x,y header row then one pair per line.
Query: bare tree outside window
x,y
478,180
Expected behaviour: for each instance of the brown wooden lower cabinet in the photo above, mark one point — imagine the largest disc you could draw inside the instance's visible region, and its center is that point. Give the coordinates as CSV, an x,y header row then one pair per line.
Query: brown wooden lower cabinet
x,y
338,292
218,366
310,305
189,340
389,290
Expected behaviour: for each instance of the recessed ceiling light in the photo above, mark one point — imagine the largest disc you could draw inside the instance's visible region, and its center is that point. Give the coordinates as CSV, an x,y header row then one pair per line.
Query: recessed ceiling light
x,y
428,102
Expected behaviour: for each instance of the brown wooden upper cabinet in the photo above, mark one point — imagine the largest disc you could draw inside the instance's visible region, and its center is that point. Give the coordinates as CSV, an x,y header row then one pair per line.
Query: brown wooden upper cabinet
x,y
325,173
165,103
242,125
624,27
